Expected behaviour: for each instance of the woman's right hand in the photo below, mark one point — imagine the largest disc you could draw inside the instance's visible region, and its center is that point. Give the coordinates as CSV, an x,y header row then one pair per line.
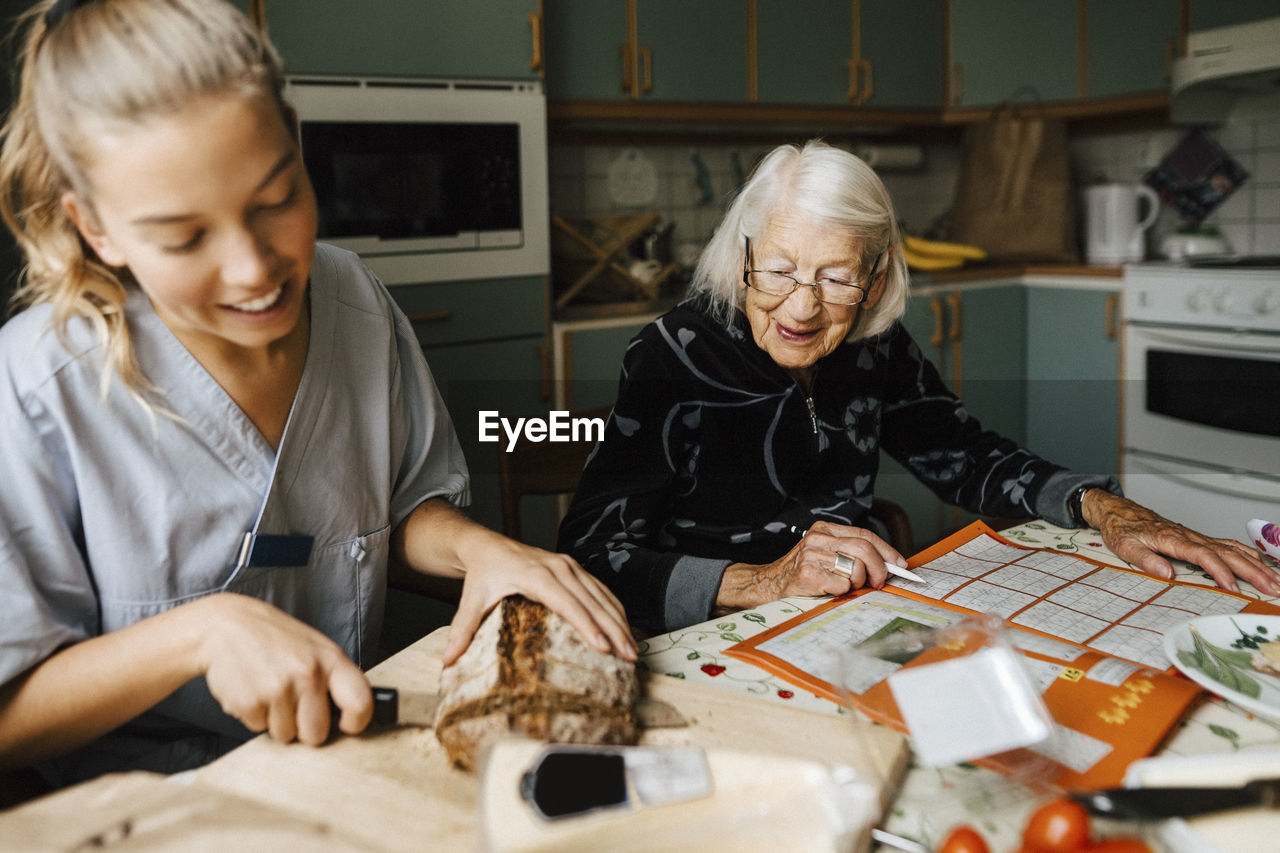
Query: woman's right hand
x,y
811,567
274,673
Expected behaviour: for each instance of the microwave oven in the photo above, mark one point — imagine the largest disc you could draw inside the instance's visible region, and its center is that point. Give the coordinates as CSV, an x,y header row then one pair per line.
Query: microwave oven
x,y
429,179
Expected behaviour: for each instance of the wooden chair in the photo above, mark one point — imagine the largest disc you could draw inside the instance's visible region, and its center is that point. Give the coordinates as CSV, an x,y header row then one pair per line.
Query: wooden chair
x,y
541,468
896,525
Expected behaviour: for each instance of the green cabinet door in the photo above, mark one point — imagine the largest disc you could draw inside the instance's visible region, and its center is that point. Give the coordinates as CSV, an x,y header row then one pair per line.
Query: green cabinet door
x,y
1072,378
411,38
493,376
684,51
903,40
803,49
692,51
999,47
802,52
992,366
1207,14
1129,46
589,361
926,320
585,46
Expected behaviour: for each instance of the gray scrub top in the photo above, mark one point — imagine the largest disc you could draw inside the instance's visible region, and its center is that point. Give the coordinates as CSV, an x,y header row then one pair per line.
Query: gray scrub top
x,y
111,514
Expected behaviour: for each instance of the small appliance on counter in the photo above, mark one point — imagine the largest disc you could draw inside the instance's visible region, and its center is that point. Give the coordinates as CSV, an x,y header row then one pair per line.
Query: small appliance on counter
x,y
1186,244
1115,222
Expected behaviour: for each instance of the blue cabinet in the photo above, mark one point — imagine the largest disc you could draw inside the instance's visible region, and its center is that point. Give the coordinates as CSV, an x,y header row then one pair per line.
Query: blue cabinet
x,y
1130,46
408,38
999,47
485,358
1073,377
867,53
977,336
650,50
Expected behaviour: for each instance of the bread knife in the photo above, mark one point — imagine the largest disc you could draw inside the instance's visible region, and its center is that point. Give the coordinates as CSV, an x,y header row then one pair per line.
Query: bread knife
x,y
1155,803
392,707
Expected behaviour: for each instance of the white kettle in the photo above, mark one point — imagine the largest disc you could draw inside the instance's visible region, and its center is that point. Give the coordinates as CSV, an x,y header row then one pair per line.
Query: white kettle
x,y
1114,229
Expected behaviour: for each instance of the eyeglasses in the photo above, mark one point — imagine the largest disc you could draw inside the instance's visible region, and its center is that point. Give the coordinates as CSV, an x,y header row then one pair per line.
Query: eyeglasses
x,y
825,289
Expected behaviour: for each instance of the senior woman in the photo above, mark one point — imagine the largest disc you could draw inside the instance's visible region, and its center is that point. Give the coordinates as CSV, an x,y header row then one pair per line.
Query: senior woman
x,y
740,460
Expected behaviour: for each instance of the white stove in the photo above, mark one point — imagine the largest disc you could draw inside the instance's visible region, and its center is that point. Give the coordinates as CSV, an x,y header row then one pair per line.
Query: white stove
x,y
1223,294
1201,396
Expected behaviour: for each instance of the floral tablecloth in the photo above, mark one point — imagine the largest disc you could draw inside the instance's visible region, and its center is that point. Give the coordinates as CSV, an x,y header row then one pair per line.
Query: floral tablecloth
x,y
933,800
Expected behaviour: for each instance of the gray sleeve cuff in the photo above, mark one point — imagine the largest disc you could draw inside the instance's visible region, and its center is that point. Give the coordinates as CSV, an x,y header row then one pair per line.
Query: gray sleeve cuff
x,y
1051,503
691,590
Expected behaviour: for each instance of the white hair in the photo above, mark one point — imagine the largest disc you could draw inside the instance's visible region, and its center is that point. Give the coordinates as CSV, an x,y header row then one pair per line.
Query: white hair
x,y
835,189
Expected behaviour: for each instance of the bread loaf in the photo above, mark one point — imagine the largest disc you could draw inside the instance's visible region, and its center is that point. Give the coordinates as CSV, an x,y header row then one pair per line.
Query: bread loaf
x,y
528,672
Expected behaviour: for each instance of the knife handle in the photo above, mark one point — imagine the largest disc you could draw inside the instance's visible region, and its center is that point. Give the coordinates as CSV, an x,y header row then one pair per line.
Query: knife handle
x,y
386,709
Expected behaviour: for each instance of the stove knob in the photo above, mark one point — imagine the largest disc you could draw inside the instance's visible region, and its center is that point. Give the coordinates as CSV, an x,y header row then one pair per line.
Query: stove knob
x,y
1198,300
1267,303
1222,301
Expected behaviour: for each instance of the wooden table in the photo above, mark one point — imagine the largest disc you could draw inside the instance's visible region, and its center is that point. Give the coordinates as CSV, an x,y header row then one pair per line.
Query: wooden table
x,y
395,789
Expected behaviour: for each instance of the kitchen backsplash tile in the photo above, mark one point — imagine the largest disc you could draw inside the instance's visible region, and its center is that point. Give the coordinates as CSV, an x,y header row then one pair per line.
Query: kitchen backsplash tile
x,y
1249,219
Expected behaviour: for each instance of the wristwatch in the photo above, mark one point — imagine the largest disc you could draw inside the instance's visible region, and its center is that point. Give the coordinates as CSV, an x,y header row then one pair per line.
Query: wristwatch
x,y
1074,508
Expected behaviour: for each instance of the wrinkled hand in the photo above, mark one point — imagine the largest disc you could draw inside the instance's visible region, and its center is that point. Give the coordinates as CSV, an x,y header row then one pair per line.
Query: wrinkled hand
x,y
810,567
1146,539
503,567
275,673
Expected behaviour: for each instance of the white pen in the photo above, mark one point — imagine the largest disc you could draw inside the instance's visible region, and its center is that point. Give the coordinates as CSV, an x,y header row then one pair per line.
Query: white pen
x,y
904,573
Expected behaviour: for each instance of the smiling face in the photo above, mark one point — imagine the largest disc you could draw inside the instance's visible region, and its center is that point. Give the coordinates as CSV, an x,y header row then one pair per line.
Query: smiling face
x,y
797,330
211,211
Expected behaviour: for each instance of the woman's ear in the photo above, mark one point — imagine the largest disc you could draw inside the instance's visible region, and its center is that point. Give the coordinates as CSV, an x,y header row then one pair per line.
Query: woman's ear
x,y
86,223
879,280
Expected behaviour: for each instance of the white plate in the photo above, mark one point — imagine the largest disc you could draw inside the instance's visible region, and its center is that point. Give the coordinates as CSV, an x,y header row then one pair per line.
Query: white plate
x,y
1229,671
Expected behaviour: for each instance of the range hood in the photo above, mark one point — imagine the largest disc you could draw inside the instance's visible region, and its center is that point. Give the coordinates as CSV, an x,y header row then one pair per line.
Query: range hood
x,y
1228,73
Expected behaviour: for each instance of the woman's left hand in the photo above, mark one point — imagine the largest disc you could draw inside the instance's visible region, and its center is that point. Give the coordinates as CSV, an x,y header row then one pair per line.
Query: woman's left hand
x,y
1146,539
436,539
502,567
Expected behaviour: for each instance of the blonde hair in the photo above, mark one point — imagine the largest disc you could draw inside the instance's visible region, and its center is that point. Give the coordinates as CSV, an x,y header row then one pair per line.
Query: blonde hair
x,y
834,188
107,63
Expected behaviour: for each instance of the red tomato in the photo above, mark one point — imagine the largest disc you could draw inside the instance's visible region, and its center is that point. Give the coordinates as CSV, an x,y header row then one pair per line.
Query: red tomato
x,y
964,839
1059,826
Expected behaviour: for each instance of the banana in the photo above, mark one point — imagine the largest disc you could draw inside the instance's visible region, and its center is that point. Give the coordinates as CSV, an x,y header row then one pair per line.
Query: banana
x,y
938,248
917,261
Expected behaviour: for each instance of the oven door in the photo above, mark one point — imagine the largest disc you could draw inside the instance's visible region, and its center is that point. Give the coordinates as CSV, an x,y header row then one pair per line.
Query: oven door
x,y
1209,396
1214,501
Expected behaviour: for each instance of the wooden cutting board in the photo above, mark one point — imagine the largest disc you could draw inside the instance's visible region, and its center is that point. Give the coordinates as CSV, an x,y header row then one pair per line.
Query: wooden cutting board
x,y
397,791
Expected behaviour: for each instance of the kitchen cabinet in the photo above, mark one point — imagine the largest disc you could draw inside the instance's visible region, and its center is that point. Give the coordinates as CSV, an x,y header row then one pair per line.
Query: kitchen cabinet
x,y
976,335
1130,46
485,359
869,53
587,358
408,38
1207,14
1072,377
659,50
999,47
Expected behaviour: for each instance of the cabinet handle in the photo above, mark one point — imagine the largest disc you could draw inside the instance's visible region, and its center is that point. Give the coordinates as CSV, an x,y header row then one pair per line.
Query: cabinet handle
x,y
431,317
535,33
957,84
625,50
1111,323
646,60
852,95
935,306
865,94
953,302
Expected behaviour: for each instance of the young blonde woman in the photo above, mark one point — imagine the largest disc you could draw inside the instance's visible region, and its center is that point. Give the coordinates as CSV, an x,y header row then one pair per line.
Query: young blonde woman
x,y
217,432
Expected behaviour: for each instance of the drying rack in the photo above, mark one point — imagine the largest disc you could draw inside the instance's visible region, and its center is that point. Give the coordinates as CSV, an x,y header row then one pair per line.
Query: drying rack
x,y
589,259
